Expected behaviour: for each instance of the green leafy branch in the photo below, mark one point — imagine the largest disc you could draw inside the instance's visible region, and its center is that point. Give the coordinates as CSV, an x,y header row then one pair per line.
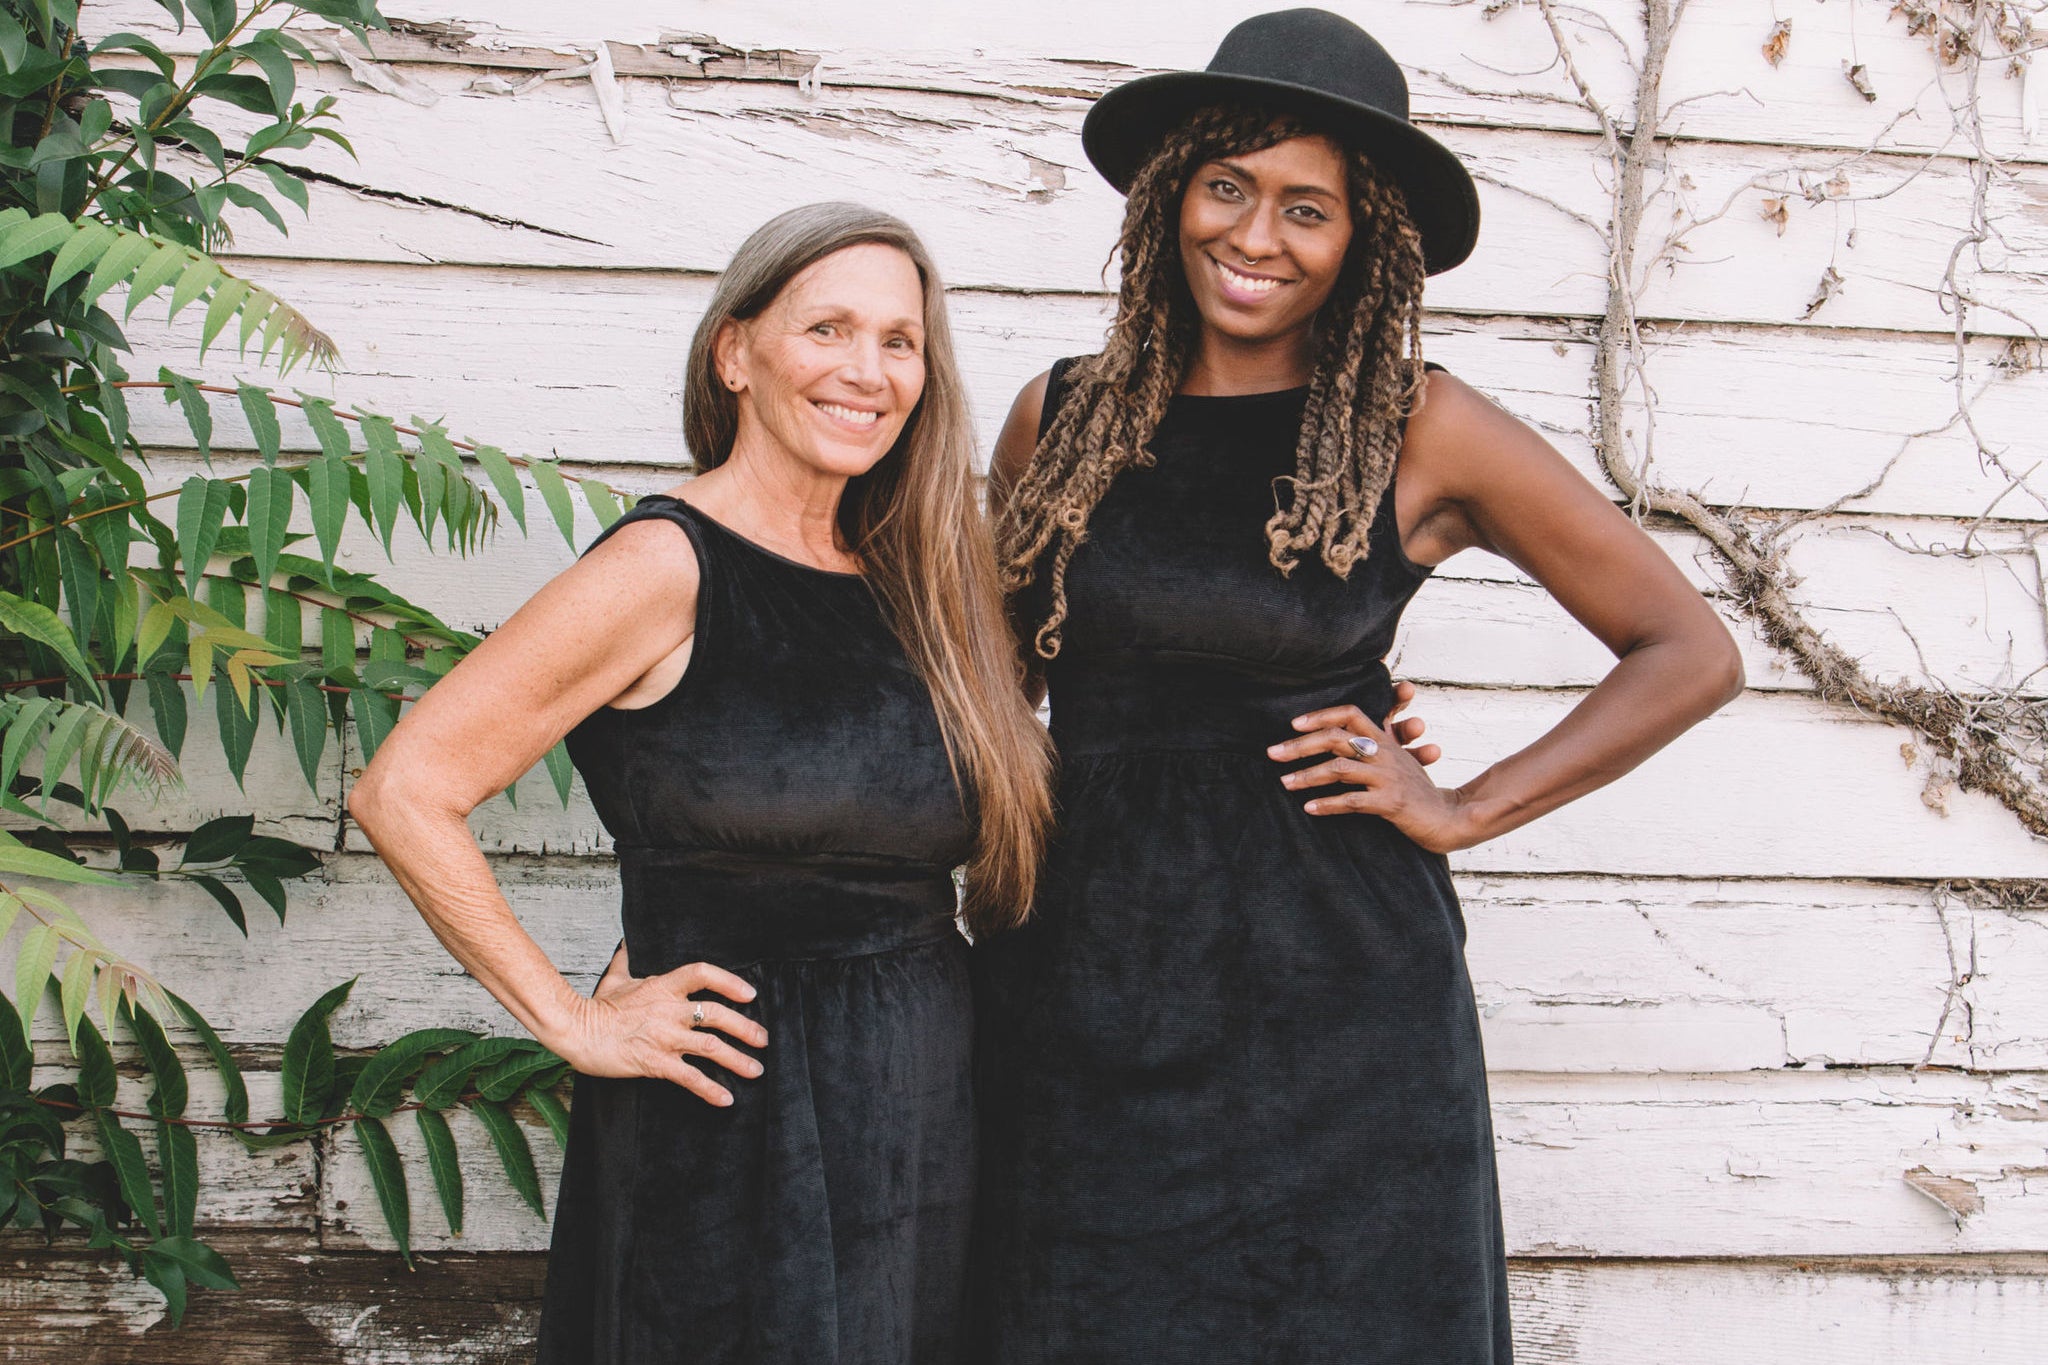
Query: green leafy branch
x,y
149,1214
146,266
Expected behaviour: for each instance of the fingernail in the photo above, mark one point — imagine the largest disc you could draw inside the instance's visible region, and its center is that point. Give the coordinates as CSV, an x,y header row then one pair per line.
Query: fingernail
x,y
1299,722
724,1099
1290,781
1313,807
1273,751
756,1069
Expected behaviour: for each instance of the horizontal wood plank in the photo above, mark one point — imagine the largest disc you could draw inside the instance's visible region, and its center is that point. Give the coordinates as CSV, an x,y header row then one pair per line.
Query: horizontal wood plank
x,y
1465,64
1571,974
1004,196
1774,785
588,365
317,1306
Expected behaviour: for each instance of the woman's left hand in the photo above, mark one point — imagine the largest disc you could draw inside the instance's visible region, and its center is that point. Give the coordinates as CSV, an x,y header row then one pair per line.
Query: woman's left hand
x,y
1386,777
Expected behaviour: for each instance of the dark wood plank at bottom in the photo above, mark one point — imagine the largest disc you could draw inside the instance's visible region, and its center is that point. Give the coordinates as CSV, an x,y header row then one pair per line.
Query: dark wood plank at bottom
x,y
299,1305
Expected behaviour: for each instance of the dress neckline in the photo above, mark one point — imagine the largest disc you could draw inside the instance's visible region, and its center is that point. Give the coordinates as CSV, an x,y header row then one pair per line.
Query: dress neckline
x,y
752,544
1263,395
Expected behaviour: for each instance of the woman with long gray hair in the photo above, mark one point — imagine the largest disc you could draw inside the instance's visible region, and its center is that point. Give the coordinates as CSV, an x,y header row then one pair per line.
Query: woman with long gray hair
x,y
788,687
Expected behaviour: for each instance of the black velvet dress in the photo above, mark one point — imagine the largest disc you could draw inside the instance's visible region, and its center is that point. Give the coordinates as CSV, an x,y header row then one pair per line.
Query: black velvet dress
x,y
1234,1107
787,812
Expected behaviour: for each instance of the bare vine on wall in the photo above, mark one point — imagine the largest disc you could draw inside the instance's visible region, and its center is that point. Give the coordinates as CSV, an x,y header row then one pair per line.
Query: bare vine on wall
x,y
1993,742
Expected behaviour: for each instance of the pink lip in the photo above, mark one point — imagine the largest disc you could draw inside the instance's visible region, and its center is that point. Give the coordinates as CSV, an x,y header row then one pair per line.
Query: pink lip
x,y
1245,297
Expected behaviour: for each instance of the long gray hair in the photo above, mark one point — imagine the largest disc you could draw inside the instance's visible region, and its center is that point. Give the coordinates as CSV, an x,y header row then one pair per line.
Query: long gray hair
x,y
915,521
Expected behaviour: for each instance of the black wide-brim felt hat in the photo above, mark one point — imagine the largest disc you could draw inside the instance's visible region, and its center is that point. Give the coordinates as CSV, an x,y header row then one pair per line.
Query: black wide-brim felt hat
x,y
1329,72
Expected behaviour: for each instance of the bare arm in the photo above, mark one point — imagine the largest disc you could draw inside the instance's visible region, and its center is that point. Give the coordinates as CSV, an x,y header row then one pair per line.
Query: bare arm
x,y
584,640
1487,480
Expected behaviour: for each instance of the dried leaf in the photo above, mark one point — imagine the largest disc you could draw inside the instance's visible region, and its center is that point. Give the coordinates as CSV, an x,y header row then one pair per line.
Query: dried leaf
x,y
1774,212
1830,285
1780,39
1919,18
1860,78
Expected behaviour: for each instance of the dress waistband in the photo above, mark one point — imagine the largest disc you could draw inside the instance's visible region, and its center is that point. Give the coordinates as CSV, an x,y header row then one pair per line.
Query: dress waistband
x,y
1165,702
682,906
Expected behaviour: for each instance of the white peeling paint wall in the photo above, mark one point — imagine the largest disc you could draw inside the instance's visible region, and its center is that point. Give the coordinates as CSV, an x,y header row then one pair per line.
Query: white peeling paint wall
x,y
1771,1079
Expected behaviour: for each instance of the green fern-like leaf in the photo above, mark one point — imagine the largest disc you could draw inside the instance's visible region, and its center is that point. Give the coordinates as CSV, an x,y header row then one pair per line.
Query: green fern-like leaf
x,y
120,256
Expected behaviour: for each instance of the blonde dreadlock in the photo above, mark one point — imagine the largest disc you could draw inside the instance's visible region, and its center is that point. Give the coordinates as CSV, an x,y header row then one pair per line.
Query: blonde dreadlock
x,y
1368,372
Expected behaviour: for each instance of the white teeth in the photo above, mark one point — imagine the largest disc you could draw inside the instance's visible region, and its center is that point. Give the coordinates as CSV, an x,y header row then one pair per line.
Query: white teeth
x,y
854,415
1246,282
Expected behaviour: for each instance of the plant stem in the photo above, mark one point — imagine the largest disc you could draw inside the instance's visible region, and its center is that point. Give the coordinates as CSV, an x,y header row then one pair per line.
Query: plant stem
x,y
308,1129
179,99
183,677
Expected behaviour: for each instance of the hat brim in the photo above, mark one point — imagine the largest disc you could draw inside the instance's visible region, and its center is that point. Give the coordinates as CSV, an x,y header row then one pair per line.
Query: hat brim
x,y
1124,126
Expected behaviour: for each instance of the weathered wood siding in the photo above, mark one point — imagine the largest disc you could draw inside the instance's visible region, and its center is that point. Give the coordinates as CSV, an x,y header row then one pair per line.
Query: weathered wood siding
x,y
1768,1019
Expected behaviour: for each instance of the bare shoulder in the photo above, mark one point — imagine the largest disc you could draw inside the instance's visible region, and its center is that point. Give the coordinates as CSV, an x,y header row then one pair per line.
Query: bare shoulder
x,y
643,575
1453,416
1462,445
1018,439
654,549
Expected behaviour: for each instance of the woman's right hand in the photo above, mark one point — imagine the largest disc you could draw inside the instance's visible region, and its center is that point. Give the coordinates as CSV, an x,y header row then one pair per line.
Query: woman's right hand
x,y
642,1026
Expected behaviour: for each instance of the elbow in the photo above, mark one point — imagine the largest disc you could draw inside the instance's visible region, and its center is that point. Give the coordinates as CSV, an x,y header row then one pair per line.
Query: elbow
x,y
369,802
1724,667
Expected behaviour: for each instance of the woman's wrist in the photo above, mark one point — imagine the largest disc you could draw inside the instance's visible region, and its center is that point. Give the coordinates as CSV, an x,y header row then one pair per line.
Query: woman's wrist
x,y
559,1022
1477,816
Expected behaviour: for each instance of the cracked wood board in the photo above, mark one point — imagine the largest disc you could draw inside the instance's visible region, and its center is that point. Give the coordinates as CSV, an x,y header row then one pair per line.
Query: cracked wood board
x,y
1775,785
1765,1164
299,1303
273,786
312,1306
1893,593
1571,974
277,1188
348,920
1774,1164
1004,196
588,365
1784,1163
1962,1311
1576,974
1475,64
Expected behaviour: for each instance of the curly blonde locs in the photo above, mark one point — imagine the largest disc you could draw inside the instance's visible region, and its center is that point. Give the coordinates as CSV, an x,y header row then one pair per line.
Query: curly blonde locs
x,y
913,520
1367,375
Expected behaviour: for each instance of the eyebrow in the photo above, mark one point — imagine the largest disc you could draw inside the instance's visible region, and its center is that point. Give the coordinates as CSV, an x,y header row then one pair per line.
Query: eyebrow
x,y
1319,191
834,312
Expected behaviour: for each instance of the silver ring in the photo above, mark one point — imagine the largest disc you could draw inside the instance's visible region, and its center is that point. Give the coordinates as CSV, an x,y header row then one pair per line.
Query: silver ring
x,y
697,1015
1364,746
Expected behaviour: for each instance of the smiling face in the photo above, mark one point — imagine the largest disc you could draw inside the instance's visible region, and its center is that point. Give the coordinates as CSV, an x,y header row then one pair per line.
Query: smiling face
x,y
1262,239
830,371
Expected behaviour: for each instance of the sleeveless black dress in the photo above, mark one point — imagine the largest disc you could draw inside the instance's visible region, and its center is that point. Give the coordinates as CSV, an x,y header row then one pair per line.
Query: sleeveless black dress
x,y
1233,1102
788,813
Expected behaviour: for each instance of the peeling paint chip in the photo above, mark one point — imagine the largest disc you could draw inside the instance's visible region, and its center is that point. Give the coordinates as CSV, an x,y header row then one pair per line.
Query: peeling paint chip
x,y
1958,1196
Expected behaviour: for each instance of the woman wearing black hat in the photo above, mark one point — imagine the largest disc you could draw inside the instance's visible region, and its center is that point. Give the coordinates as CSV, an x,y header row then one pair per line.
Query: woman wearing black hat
x,y
1233,1096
